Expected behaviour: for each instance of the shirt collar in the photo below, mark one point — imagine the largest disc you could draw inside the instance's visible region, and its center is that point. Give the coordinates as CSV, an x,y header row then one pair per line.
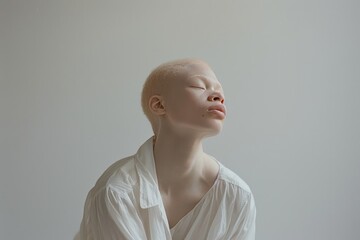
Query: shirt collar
x,y
145,164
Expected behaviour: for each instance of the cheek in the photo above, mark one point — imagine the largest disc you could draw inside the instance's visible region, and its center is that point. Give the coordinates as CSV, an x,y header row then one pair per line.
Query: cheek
x,y
185,110
186,104
184,100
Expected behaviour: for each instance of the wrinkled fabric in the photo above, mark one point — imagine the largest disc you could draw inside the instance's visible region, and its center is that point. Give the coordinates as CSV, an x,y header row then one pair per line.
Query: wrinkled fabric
x,y
125,203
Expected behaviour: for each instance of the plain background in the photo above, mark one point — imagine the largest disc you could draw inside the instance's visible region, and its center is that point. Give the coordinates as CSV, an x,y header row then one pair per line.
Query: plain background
x,y
71,75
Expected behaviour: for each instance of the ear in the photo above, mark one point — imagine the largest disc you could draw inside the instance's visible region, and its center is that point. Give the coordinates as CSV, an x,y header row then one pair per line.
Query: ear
x,y
156,105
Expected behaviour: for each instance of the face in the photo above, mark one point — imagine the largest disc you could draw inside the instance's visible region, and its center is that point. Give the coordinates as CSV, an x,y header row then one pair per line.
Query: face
x,y
194,102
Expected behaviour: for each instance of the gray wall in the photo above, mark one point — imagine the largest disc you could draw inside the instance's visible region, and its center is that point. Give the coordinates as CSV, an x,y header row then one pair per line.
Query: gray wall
x,y
71,74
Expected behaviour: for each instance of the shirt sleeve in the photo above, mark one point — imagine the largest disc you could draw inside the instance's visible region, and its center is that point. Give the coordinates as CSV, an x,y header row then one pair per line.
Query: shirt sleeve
x,y
110,214
245,221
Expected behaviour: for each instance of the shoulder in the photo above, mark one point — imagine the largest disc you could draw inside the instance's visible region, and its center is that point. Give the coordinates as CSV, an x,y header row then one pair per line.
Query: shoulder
x,y
235,187
121,175
230,177
231,180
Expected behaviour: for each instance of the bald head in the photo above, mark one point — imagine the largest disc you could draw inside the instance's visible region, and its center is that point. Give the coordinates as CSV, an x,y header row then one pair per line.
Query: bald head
x,y
159,80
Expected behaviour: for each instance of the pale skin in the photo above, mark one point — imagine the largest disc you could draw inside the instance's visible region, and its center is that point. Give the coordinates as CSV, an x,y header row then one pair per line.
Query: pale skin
x,y
185,173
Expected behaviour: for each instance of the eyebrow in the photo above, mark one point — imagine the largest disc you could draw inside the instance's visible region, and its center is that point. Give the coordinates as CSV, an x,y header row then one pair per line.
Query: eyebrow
x,y
206,80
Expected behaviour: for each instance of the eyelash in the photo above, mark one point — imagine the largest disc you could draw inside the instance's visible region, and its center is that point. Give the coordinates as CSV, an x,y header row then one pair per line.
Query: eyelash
x,y
203,88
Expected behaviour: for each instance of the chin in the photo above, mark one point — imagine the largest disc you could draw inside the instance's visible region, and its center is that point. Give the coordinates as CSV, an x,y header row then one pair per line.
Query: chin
x,y
208,129
214,130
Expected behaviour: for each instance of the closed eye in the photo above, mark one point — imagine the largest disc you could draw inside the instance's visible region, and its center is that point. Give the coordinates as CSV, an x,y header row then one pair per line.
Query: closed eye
x,y
203,88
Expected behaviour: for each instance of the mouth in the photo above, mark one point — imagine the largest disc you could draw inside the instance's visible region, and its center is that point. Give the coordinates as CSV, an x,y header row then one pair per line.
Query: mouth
x,y
219,109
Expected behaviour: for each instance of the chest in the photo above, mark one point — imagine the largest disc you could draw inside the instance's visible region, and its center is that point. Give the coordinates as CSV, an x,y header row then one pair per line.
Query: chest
x,y
177,207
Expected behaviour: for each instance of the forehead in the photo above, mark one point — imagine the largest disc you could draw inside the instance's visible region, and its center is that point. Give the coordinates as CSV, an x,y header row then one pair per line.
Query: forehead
x,y
199,71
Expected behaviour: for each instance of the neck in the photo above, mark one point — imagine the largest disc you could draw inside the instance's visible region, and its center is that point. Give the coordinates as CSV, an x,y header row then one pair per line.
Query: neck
x,y
178,159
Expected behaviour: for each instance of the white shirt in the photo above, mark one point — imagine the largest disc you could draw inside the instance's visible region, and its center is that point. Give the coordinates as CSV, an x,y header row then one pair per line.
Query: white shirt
x,y
126,203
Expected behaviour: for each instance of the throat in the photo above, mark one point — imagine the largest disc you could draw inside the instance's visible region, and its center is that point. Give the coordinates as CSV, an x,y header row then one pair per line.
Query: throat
x,y
181,199
183,187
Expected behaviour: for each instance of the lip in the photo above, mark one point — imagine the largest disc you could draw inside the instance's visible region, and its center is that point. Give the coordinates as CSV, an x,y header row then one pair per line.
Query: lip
x,y
220,108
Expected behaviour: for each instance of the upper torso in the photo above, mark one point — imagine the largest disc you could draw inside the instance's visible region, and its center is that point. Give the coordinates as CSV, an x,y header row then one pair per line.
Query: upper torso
x,y
127,204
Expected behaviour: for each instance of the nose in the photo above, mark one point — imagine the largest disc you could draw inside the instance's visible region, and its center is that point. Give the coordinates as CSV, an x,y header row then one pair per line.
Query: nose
x,y
216,96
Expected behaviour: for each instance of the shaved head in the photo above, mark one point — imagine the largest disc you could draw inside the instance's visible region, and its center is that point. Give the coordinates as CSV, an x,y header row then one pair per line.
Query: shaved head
x,y
158,81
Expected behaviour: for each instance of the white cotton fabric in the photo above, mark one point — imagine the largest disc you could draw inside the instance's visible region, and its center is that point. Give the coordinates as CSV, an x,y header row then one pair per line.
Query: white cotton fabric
x,y
126,203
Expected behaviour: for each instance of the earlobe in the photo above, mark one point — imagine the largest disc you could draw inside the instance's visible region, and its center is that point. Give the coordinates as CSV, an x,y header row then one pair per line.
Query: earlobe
x,y
156,105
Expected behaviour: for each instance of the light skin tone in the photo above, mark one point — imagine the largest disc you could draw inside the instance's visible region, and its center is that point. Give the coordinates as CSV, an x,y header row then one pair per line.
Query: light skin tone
x,y
188,110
